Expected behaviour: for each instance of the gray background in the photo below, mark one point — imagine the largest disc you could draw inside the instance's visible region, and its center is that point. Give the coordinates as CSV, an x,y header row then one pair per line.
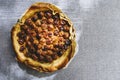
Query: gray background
x,y
97,24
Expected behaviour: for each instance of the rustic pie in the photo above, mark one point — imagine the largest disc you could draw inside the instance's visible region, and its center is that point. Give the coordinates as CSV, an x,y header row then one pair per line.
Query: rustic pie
x,y
44,38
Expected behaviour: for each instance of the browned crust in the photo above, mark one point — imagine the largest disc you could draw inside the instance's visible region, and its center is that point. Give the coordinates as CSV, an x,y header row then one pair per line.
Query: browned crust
x,y
43,67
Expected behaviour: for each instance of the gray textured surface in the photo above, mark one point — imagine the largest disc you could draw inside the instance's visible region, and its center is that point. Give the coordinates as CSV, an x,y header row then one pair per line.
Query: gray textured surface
x,y
97,24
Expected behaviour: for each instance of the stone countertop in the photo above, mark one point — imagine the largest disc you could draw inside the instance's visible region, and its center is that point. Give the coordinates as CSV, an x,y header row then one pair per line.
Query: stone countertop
x,y
97,24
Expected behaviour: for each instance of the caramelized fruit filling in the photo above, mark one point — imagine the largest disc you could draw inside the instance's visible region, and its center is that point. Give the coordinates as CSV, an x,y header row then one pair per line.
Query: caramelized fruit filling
x,y
44,36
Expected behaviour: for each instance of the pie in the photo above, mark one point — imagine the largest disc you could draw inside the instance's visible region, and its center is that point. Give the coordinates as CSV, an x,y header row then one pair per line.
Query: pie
x,y
44,38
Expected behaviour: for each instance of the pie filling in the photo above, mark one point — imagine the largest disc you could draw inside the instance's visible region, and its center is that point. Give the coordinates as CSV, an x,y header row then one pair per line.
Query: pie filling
x,y
44,37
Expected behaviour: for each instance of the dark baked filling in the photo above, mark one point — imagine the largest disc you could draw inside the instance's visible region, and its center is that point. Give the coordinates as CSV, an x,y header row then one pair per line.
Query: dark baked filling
x,y
44,37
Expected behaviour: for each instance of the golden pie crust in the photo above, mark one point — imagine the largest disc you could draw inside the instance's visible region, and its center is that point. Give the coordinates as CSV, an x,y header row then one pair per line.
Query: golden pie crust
x,y
56,64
